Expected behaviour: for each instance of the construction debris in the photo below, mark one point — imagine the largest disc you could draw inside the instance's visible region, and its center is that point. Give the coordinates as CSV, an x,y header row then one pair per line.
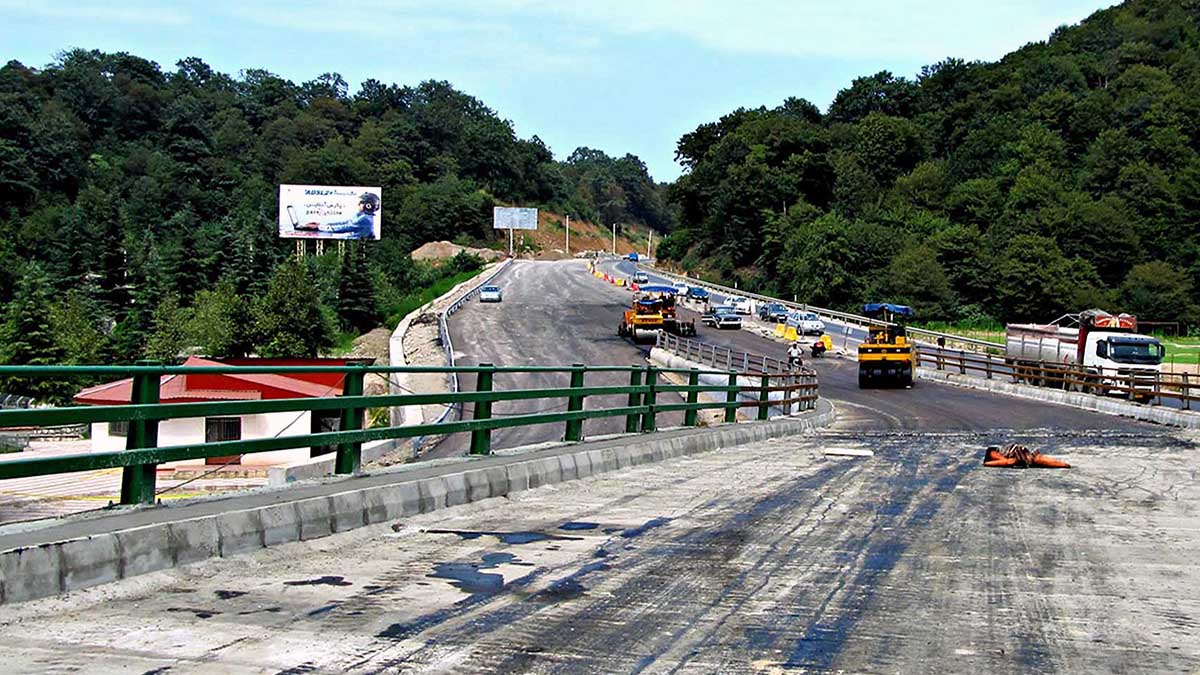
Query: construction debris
x,y
1020,457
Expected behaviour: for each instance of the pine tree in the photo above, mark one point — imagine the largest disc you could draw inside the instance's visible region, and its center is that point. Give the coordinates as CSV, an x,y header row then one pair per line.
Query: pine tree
x,y
357,303
28,338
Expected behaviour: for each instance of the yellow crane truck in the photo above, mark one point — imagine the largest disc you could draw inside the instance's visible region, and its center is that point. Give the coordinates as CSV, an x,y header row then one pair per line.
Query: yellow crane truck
x,y
886,358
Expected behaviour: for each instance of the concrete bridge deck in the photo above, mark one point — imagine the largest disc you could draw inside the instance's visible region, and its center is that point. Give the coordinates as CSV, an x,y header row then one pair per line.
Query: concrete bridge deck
x,y
759,558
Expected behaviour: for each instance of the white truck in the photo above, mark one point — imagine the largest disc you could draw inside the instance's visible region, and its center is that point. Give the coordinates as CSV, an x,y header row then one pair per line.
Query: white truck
x,y
1105,347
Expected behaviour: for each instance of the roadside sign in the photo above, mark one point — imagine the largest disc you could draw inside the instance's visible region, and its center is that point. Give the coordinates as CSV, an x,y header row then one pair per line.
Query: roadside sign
x,y
507,218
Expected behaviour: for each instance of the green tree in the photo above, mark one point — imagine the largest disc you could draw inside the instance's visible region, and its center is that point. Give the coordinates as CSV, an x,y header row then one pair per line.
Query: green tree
x,y
79,324
168,337
1159,291
357,303
27,338
290,320
220,323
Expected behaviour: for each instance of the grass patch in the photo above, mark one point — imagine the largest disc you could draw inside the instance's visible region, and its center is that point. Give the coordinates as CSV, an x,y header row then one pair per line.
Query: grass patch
x,y
343,342
989,331
411,301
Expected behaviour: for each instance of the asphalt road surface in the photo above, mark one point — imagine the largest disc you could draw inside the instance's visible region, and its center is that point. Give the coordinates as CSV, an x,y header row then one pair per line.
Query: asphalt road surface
x,y
764,558
553,313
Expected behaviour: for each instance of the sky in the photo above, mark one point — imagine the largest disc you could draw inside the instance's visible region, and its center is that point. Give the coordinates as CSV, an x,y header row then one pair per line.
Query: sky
x,y
622,76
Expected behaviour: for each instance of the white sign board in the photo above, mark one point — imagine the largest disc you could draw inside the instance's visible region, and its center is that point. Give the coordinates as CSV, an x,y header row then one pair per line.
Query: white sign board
x,y
505,218
330,212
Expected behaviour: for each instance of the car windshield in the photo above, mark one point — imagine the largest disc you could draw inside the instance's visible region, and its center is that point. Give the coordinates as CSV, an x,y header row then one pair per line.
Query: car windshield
x,y
491,289
1130,351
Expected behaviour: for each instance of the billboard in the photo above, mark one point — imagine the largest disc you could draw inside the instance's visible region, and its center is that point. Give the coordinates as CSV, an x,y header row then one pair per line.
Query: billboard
x,y
329,212
505,218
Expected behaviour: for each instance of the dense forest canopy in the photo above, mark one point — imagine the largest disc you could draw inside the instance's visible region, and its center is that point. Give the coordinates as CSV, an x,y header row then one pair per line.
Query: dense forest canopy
x,y
1064,176
138,205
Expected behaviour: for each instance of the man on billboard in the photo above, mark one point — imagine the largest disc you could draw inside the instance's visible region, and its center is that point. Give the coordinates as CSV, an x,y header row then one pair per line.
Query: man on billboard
x,y
361,226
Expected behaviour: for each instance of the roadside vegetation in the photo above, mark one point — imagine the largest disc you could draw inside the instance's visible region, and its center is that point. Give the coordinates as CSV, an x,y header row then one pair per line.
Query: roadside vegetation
x,y
1062,177
138,205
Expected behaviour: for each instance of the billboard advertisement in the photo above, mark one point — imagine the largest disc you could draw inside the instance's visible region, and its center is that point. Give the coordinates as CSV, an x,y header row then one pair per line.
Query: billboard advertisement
x,y
506,218
329,212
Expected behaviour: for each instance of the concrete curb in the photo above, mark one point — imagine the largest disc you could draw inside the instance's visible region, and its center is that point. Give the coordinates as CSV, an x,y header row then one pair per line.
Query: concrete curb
x,y
1100,404
101,553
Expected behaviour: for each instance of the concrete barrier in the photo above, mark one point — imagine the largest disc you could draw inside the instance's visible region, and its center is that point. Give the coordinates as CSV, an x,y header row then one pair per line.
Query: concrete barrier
x,y
1109,406
95,549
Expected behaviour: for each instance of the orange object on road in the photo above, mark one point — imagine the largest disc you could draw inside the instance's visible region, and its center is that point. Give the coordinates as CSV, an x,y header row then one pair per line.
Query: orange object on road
x,y
1020,457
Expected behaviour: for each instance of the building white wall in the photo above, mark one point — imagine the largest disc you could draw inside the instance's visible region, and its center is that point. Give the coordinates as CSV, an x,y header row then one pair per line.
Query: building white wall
x,y
191,430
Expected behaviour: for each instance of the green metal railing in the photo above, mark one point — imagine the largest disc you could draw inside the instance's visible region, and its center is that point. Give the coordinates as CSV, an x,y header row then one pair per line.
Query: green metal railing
x,y
142,453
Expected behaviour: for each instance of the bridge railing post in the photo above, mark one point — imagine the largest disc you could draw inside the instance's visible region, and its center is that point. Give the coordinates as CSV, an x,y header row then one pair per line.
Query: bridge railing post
x,y
1187,392
693,397
137,481
731,398
349,455
764,397
650,399
575,404
632,420
481,439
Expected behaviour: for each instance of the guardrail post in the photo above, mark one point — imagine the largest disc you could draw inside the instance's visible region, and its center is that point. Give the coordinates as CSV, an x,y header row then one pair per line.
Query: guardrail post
x,y
635,399
481,439
693,397
729,359
349,455
764,398
731,399
650,399
137,481
575,404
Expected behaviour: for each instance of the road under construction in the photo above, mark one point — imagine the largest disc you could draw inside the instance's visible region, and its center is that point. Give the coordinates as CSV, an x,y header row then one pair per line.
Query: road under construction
x,y
879,544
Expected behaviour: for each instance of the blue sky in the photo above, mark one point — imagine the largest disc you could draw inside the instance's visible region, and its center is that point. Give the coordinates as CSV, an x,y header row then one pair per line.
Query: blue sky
x,y
617,75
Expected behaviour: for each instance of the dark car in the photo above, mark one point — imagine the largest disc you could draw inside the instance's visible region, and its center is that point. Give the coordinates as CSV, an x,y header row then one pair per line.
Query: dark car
x,y
722,317
773,312
697,293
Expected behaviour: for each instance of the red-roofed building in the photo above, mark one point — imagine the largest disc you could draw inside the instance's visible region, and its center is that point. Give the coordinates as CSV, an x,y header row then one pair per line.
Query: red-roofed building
x,y
200,387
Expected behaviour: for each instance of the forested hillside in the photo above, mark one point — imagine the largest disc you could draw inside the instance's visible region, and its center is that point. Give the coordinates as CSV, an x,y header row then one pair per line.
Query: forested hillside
x,y
1062,177
138,205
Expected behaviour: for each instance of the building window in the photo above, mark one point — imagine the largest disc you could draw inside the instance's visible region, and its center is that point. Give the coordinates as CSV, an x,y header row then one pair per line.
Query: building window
x,y
217,429
118,428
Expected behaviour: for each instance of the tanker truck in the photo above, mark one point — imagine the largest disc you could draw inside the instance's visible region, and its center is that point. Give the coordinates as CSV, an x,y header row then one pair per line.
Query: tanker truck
x,y
1097,346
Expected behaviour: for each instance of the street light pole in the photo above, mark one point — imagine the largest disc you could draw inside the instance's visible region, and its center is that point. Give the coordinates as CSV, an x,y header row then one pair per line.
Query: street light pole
x,y
614,238
568,236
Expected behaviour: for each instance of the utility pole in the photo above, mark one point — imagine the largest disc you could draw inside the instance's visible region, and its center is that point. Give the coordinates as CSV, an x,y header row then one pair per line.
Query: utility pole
x,y
614,238
568,236
650,245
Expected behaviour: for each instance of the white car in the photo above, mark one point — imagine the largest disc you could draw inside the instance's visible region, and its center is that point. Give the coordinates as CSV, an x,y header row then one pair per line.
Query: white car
x,y
641,278
806,323
490,294
741,305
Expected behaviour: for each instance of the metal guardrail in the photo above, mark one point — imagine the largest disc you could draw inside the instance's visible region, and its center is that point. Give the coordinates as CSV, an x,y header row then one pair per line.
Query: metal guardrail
x,y
448,344
1150,389
844,317
800,386
142,453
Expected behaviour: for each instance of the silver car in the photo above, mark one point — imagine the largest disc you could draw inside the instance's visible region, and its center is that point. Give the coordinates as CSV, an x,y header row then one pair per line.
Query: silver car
x,y
490,294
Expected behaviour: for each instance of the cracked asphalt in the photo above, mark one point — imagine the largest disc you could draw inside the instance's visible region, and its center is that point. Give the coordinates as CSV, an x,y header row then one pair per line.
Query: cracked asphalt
x,y
765,558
